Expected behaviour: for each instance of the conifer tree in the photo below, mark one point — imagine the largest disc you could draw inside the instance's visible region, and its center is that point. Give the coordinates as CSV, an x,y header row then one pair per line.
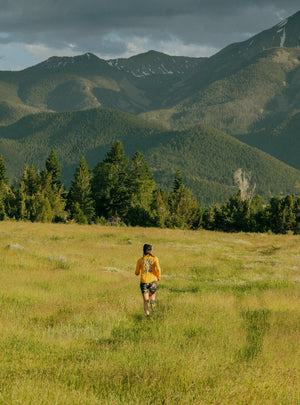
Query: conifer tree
x,y
274,214
184,209
31,179
53,168
80,191
140,186
2,201
209,218
109,183
116,156
38,208
160,209
288,213
3,189
297,216
2,170
55,194
257,215
20,204
28,187
178,181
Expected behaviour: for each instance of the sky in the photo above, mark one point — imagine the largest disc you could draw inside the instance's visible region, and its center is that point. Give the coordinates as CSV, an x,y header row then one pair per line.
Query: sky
x,y
31,31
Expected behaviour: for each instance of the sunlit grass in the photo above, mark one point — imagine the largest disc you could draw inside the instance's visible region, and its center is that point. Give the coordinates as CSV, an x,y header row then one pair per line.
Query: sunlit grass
x,y
73,329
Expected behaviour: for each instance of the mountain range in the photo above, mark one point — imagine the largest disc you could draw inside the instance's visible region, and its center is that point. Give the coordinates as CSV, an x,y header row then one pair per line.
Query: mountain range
x,y
248,94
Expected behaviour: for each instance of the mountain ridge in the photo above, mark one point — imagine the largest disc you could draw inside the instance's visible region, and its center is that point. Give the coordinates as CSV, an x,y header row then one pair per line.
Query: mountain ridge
x,y
142,83
249,90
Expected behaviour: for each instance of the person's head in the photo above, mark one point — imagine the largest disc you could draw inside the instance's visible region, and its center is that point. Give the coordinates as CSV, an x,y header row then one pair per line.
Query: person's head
x,y
147,249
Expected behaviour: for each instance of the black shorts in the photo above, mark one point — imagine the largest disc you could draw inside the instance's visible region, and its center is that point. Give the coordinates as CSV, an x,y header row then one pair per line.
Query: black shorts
x,y
148,287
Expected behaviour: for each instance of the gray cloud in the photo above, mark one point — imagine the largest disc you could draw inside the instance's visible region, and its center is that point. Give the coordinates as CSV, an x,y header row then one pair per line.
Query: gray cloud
x,y
116,27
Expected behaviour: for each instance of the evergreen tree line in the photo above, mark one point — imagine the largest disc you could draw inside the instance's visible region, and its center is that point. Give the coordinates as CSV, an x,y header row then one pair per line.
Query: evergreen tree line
x,y
119,190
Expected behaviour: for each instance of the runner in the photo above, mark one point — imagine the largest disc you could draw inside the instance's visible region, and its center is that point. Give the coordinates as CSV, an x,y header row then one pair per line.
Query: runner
x,y
148,267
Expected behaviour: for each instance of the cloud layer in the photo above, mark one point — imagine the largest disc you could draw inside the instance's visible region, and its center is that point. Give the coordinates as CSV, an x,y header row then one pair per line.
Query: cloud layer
x,y
118,28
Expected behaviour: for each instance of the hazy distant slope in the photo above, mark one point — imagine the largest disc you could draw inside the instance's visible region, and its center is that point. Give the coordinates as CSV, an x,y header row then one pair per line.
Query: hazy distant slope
x,y
236,102
252,104
281,141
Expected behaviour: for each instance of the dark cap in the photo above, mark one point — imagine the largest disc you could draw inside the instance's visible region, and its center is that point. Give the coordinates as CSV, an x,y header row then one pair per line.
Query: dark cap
x,y
147,248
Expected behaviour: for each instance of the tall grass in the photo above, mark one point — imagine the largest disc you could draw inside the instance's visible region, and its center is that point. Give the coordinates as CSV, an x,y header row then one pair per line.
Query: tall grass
x,y
73,329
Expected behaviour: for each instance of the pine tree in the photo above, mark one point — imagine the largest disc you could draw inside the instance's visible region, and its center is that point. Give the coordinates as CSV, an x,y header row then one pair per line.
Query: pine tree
x,y
55,194
257,215
2,201
105,179
297,216
178,182
78,214
3,188
80,191
2,170
288,214
184,209
53,168
40,208
20,204
116,156
159,208
31,179
274,214
209,218
140,186
109,184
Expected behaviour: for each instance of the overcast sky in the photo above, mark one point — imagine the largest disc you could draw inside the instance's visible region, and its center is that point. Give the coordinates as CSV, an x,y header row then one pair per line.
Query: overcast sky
x,y
33,30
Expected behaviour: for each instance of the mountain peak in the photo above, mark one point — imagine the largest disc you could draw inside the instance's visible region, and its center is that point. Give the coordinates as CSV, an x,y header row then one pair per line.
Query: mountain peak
x,y
62,61
284,34
155,63
69,63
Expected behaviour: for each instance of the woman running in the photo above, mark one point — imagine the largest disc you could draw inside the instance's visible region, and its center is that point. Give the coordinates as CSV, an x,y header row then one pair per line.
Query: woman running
x,y
148,267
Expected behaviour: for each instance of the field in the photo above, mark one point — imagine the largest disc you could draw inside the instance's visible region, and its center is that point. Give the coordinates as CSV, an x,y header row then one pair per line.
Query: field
x,y
73,331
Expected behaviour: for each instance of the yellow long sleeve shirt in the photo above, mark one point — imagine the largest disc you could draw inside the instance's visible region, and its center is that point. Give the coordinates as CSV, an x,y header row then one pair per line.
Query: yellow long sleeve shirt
x,y
149,269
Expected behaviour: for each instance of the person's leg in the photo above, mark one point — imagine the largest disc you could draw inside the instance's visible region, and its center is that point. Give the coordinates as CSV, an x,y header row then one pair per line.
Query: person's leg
x,y
146,303
144,289
152,302
153,289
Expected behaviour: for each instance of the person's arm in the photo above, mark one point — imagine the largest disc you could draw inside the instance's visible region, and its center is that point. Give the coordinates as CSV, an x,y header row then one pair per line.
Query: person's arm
x,y
157,269
138,268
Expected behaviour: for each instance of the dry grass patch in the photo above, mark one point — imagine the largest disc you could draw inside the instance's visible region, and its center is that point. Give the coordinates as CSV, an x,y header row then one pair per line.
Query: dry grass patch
x,y
72,328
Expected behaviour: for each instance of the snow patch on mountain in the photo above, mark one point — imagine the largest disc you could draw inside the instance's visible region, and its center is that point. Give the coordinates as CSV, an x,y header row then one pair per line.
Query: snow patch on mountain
x,y
281,30
283,38
157,65
282,23
55,63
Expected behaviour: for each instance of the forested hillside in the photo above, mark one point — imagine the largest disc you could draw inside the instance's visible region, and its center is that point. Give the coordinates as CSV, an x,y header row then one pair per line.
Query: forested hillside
x,y
122,191
207,157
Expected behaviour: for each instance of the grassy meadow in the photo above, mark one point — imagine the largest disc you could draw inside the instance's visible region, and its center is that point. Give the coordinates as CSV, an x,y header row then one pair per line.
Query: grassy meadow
x,y
73,330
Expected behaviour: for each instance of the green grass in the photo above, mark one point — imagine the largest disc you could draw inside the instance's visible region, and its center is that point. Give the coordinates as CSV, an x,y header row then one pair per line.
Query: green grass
x,y
73,329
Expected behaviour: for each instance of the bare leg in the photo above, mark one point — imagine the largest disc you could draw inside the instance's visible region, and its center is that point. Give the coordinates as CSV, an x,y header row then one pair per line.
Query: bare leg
x,y
152,302
146,303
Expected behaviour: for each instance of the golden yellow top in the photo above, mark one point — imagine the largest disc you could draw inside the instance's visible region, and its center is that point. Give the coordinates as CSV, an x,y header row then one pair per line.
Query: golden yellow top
x,y
149,269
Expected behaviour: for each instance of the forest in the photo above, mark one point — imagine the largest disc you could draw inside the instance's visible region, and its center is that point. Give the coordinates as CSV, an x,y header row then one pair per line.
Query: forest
x,y
122,191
